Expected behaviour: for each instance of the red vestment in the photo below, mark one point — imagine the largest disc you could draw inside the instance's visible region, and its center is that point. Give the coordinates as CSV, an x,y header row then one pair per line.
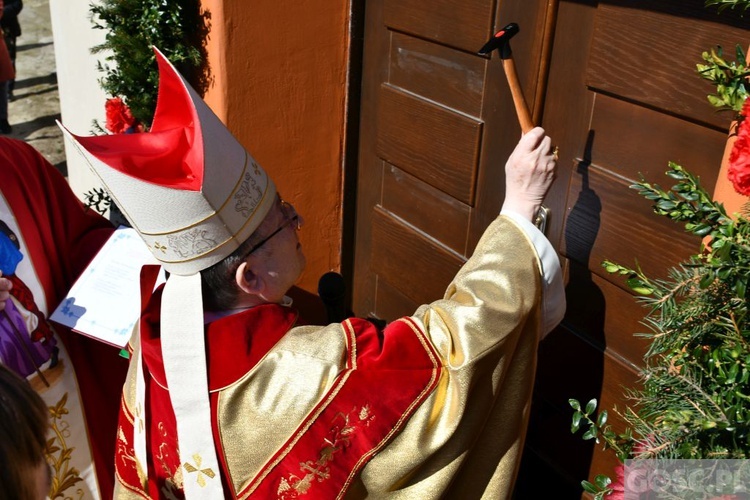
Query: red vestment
x,y
61,237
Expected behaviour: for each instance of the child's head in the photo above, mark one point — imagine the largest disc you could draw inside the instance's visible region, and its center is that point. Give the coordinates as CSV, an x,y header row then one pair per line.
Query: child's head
x,y
23,433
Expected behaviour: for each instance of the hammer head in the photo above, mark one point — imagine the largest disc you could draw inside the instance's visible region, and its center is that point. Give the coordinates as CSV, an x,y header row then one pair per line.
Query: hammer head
x,y
500,41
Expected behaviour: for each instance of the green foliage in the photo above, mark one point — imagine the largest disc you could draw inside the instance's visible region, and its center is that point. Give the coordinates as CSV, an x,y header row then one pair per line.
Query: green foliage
x,y
600,488
133,27
724,4
729,78
695,396
694,400
598,429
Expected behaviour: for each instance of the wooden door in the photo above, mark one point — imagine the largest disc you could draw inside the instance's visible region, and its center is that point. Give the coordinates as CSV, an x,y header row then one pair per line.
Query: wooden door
x,y
437,124
623,99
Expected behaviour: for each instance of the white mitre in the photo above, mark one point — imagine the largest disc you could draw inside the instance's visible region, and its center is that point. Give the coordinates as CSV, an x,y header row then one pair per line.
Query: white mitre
x,y
194,194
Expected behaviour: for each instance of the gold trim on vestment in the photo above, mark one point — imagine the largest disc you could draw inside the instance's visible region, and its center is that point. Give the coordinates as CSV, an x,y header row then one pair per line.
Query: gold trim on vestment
x,y
126,411
351,361
407,413
124,491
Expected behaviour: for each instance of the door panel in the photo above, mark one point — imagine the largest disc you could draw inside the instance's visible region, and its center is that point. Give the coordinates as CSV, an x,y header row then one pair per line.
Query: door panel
x,y
437,73
555,461
428,209
606,328
431,142
463,25
642,55
422,266
392,303
607,220
692,145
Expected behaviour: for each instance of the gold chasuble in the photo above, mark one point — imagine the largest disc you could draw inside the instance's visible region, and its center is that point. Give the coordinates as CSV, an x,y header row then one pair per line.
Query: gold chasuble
x,y
436,405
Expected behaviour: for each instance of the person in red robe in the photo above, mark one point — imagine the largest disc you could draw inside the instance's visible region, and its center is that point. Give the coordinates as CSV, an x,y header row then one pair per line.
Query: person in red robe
x,y
229,397
56,237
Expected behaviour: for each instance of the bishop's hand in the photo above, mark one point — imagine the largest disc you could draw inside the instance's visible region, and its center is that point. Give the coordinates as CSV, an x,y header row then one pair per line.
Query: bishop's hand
x,y
529,173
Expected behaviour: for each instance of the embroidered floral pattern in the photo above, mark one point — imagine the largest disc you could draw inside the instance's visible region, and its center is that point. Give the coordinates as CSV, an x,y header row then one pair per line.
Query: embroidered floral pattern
x,y
173,482
343,428
248,195
59,453
193,242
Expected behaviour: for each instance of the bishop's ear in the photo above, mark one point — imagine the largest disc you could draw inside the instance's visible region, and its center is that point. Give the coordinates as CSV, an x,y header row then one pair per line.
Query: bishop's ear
x,y
249,280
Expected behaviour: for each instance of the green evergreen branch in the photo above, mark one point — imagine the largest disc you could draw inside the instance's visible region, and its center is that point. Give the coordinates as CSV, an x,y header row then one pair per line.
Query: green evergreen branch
x,y
693,400
729,78
695,384
731,4
132,28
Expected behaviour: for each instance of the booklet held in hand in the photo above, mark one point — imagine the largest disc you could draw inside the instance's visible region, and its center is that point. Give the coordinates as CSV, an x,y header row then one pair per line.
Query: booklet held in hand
x,y
104,303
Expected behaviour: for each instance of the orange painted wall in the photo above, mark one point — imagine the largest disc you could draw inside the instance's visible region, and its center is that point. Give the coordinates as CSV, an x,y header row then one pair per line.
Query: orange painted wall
x,y
280,70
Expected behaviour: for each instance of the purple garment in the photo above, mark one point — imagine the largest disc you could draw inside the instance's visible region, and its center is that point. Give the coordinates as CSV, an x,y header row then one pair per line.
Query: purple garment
x,y
12,354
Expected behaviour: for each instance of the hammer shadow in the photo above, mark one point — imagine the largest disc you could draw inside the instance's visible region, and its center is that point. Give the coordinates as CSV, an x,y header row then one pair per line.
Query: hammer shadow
x,y
570,362
586,305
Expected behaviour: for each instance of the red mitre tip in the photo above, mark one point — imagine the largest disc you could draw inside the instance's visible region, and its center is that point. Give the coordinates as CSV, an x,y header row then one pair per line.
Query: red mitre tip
x,y
171,153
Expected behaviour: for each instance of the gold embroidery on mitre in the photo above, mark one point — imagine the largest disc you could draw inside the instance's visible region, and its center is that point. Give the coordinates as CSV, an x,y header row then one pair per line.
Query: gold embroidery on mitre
x,y
343,427
194,242
201,473
160,247
248,196
216,245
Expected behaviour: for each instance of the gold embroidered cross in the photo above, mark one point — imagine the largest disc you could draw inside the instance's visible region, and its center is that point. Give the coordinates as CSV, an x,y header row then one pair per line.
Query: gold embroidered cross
x,y
139,417
161,247
317,471
197,468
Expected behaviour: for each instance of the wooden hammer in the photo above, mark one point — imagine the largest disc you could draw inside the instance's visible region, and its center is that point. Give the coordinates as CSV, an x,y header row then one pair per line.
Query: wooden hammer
x,y
501,41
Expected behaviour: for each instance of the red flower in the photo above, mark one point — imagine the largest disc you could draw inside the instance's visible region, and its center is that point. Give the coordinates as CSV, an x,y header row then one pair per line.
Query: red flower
x,y
119,117
739,158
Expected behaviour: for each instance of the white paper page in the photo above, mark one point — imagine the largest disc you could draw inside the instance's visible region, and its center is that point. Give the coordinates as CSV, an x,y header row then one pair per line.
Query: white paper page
x,y
105,302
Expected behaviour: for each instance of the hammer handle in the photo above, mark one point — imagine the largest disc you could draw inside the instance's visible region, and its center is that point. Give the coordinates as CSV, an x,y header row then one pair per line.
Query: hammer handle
x,y
522,109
